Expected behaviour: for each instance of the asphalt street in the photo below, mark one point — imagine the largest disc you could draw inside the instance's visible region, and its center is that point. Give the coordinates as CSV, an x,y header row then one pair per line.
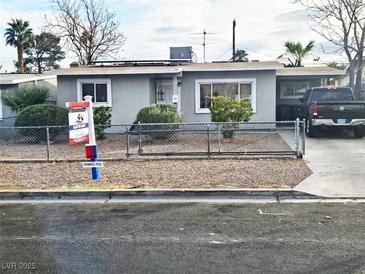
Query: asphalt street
x,y
182,238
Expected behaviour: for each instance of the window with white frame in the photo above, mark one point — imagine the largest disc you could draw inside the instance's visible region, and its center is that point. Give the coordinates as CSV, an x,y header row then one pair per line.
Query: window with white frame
x,y
99,89
238,89
293,89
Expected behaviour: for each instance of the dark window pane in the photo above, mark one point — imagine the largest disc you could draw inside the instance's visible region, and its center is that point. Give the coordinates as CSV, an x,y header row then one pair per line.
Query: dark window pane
x,y
88,89
245,92
226,89
205,95
339,94
101,93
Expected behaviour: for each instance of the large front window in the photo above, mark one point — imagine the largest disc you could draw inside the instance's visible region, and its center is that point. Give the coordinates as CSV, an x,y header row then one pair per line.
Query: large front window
x,y
99,89
293,90
238,89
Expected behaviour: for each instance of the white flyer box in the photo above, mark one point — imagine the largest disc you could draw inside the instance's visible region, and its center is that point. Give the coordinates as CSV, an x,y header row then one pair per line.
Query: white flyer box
x,y
78,127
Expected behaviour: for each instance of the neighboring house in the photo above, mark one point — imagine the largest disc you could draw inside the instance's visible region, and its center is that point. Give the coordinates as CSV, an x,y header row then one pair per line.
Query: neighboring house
x,y
190,86
9,81
292,82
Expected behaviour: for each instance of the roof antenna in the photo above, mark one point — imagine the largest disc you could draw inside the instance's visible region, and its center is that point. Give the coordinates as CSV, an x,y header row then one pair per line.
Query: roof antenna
x,y
204,42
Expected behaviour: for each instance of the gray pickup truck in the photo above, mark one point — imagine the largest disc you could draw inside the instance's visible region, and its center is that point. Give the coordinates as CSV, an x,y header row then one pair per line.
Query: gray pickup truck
x,y
332,107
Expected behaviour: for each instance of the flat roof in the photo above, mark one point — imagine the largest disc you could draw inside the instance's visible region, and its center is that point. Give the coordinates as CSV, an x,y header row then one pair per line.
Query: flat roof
x,y
115,70
170,69
310,71
234,66
16,78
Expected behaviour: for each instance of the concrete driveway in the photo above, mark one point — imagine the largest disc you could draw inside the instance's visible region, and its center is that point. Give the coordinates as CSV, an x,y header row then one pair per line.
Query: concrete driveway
x,y
338,164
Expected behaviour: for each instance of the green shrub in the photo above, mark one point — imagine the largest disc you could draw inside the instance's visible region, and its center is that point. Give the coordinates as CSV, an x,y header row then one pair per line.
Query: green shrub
x,y
230,111
42,115
159,113
22,97
102,121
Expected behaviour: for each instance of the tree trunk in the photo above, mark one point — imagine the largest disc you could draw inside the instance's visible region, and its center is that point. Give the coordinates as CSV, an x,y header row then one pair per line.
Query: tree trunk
x,y
39,65
352,76
20,59
358,84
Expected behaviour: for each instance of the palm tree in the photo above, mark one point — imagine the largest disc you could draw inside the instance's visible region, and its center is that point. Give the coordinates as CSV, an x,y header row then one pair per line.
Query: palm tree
x,y
296,52
19,35
240,56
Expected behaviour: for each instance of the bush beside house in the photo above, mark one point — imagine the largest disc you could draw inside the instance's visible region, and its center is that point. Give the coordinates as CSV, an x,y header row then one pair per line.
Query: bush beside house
x,y
102,121
230,111
42,115
161,114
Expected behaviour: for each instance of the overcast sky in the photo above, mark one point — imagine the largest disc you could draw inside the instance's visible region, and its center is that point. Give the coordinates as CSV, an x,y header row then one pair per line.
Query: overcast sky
x,y
151,26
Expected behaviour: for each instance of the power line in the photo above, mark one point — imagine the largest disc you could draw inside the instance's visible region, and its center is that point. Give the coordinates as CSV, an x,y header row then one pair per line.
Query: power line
x,y
255,51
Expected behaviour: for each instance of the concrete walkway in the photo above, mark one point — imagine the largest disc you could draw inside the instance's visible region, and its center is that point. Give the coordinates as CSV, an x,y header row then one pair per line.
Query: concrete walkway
x,y
338,165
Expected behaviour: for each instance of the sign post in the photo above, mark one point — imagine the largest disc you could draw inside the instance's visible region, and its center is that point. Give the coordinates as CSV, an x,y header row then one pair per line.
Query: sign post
x,y
82,129
91,150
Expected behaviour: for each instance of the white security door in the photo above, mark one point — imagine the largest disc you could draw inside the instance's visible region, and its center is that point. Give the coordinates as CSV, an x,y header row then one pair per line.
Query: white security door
x,y
164,91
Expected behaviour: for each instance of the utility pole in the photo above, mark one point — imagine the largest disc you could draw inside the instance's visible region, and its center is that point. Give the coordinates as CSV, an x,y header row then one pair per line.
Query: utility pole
x,y
234,41
204,44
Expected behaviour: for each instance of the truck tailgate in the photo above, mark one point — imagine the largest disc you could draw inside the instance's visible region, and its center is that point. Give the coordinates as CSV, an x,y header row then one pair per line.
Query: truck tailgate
x,y
348,110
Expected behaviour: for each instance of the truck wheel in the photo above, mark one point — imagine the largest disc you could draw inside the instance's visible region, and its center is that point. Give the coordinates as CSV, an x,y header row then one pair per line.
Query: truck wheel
x,y
359,132
310,130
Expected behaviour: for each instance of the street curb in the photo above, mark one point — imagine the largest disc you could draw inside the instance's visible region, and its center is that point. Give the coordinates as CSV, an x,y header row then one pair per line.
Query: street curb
x,y
277,194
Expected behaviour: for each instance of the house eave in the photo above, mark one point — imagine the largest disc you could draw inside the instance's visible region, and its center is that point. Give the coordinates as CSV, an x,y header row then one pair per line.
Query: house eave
x,y
25,80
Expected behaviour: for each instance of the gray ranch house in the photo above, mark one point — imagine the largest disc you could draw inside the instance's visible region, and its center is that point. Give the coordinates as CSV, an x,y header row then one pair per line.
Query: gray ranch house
x,y
127,87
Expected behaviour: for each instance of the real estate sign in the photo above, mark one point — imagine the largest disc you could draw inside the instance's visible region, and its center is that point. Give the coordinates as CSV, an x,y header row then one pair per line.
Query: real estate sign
x,y
78,127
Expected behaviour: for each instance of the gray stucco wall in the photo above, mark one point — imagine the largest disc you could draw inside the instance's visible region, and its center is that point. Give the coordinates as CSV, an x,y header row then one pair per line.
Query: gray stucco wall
x,y
7,115
129,94
265,92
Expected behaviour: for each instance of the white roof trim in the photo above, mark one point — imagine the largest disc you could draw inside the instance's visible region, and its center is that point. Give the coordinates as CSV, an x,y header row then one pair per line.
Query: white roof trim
x,y
316,73
24,80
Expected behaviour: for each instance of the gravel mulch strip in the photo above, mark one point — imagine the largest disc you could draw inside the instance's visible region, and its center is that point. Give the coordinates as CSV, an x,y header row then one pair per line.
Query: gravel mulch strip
x,y
184,173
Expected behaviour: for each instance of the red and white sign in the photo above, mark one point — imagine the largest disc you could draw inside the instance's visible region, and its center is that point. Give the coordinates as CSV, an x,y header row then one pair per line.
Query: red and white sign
x,y
78,127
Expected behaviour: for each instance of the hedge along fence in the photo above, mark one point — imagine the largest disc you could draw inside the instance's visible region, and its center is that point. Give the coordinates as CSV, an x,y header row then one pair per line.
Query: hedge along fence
x,y
43,115
163,117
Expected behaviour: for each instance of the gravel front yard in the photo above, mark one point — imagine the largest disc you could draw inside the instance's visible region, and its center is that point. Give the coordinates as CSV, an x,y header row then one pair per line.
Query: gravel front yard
x,y
184,173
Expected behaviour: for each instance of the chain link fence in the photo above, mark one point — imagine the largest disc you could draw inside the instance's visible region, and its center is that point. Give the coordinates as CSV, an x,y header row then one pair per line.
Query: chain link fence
x,y
160,140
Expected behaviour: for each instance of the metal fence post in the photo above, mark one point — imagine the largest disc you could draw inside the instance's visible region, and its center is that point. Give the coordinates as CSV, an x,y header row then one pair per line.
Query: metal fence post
x,y
219,138
140,149
297,123
303,137
208,133
48,145
127,141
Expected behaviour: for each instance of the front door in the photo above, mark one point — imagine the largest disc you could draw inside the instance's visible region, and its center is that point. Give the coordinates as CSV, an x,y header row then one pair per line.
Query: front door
x,y
164,91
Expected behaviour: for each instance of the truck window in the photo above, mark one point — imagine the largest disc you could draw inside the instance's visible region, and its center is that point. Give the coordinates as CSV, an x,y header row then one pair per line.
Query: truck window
x,y
339,94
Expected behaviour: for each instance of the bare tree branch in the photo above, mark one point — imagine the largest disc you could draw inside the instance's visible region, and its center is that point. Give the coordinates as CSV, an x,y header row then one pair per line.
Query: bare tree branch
x,y
342,23
87,28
